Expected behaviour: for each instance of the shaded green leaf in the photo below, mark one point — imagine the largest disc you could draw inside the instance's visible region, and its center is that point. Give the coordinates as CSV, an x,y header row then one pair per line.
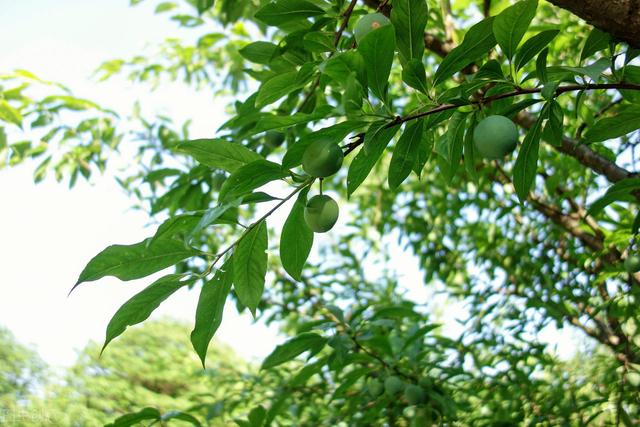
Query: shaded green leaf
x,y
524,171
378,137
414,74
249,177
259,52
134,418
377,48
597,41
296,239
283,11
277,87
533,46
405,153
307,341
512,23
210,308
250,266
477,42
128,262
620,191
619,125
409,17
218,153
140,306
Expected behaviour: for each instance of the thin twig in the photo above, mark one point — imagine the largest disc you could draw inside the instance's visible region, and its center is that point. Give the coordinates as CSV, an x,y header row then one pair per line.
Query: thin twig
x,y
252,226
345,23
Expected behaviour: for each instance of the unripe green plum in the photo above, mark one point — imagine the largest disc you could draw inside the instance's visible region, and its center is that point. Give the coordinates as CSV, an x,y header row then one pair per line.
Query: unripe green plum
x,y
632,263
414,394
495,137
322,158
321,213
374,387
393,385
368,23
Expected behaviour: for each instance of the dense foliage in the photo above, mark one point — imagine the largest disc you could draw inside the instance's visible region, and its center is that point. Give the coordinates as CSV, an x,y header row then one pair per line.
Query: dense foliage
x,y
526,239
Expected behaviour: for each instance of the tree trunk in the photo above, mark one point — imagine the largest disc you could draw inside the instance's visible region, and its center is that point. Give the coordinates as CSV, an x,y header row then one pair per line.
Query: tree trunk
x,y
620,18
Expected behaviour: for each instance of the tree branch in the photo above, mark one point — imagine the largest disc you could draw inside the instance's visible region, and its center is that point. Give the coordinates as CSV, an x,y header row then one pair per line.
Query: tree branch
x,y
620,18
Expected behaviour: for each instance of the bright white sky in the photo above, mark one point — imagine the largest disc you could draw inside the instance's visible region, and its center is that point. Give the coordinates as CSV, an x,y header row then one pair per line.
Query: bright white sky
x,y
48,233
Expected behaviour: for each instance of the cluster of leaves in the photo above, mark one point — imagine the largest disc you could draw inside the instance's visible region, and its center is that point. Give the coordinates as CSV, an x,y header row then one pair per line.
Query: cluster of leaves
x,y
523,241
67,135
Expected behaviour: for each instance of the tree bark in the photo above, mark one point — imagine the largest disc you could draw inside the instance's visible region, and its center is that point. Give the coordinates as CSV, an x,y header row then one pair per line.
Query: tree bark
x,y
620,18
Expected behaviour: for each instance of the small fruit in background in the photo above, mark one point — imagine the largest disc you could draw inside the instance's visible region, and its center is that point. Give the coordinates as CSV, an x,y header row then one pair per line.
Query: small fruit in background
x,y
368,23
414,394
321,213
322,159
393,385
495,137
374,387
632,263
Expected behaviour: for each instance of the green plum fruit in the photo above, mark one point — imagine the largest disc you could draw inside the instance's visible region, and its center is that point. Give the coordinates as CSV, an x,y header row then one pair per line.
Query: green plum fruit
x,y
322,158
495,137
414,394
374,387
393,385
368,23
321,213
632,263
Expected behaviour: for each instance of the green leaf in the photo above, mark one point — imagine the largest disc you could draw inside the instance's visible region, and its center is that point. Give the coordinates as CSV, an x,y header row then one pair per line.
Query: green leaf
x,y
533,46
259,52
210,308
139,307
470,152
257,416
165,7
625,122
409,17
319,41
307,341
134,418
377,137
597,41
218,153
424,152
524,171
202,5
413,74
10,114
277,87
541,65
273,122
620,191
512,23
129,262
182,416
455,140
249,177
405,154
250,266
593,71
477,42
553,129
283,11
175,226
296,239
377,48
